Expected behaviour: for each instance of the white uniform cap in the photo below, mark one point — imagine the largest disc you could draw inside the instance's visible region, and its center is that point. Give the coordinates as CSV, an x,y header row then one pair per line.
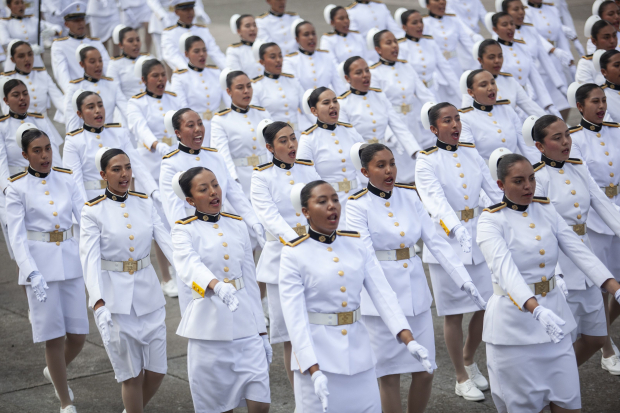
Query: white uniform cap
x,y
20,131
261,127
168,122
3,80
596,59
79,49
304,101
233,22
294,25
256,49
117,32
176,187
571,94
340,69
424,114
137,69
182,4
327,11
476,48
73,11
463,81
370,44
296,196
423,3
75,97
494,159
498,5
182,40
398,14
488,21
596,5
354,153
11,43
98,157
526,130
587,28
223,75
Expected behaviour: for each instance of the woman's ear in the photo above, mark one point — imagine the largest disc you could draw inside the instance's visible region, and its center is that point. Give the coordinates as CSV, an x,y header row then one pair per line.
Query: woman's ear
x,y
603,71
82,65
25,155
434,130
229,91
579,107
80,115
270,148
470,92
306,213
480,61
5,100
540,147
102,173
594,42
190,201
365,172
500,184
347,78
314,111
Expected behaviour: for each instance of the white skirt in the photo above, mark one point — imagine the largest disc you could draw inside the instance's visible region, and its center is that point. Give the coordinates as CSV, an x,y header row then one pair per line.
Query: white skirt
x,y
358,393
449,298
224,374
102,26
63,312
587,308
134,16
138,343
607,249
278,332
527,378
392,356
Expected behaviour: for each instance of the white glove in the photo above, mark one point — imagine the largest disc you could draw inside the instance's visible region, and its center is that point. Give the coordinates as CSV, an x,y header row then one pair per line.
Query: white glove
x,y
260,234
421,354
51,31
561,284
320,387
36,49
268,349
155,196
563,56
227,292
579,47
461,233
104,322
471,289
38,284
569,33
551,322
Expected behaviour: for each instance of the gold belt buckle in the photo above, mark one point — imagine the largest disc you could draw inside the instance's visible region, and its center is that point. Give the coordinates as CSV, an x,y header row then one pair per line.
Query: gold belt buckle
x,y
130,266
373,140
403,254
345,318
171,9
580,229
404,108
344,186
467,214
300,230
611,191
208,115
253,160
56,236
167,140
447,55
541,288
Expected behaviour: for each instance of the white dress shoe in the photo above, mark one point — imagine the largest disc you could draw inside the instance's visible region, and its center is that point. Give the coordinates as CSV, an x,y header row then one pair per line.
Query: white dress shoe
x,y
474,375
468,391
170,288
611,364
46,373
69,409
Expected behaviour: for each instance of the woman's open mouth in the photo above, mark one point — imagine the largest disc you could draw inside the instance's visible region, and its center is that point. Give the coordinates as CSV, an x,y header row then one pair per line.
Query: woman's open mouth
x,y
566,151
198,139
600,114
123,184
292,154
23,106
491,95
99,118
45,165
215,202
455,135
389,181
333,218
333,114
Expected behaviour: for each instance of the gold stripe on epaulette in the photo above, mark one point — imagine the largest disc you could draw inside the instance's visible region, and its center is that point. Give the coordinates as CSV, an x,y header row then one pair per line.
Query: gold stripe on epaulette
x,y
359,194
223,112
503,102
179,71
187,221
575,129
63,170
310,130
467,145
574,161
375,65
353,234
292,54
345,94
171,154
111,79
538,166
14,178
426,36
541,199
113,125
74,81
304,162
170,93
262,109
287,75
138,194
233,216
296,242
60,39
95,201
263,167
402,61
612,124
35,115
429,152
75,132
505,74
375,89
467,109
492,210
346,125
139,95
206,148
5,117
406,186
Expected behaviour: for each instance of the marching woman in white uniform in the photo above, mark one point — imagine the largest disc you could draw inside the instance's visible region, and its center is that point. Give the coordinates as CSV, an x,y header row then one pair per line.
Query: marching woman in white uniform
x,y
322,275
239,56
278,92
597,143
370,14
234,131
489,123
425,56
604,37
93,80
103,17
328,144
382,214
609,64
569,185
117,229
530,359
607,10
275,26
449,180
41,204
228,359
121,67
343,42
272,183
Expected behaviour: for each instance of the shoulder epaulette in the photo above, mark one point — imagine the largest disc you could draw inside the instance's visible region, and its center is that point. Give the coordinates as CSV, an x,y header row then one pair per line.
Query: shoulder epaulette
x,y
575,161
353,234
207,148
538,166
74,81
304,162
111,79
321,50
94,38
518,41
12,72
527,24
587,57
575,129
541,199
612,124
116,58
287,75
467,144
35,115
5,18
211,67
235,44
138,194
170,27
345,94
75,132
295,242
329,34
505,74
223,112
603,86
402,39
292,54
430,150
354,31
406,186
549,4
426,36
186,220
229,215
257,78
496,207
95,200
61,39
29,15
346,125
168,155
179,71
139,95
291,13
5,117
262,109
359,194
503,102
375,89
375,65
350,6
15,177
467,109
262,15
450,14
307,131
263,166
401,60
63,170
113,125
170,93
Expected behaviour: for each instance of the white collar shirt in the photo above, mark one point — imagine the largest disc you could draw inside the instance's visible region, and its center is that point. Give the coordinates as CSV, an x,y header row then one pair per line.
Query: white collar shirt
x,y
425,56
471,12
342,46
281,97
314,70
64,64
277,29
372,14
170,45
586,73
239,56
121,68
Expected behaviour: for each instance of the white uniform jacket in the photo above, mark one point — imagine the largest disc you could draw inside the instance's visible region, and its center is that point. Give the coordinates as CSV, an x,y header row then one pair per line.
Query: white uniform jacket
x,y
107,88
314,70
573,192
239,56
64,64
372,14
277,29
81,147
163,13
326,274
612,91
342,46
599,148
24,28
270,195
170,45
121,68
208,247
371,113
43,203
121,228
449,180
493,126
233,133
449,31
393,221
469,11
521,246
281,95
546,19
586,73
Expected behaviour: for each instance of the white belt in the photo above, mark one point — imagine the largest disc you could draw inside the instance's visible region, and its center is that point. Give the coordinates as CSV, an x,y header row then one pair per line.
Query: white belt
x,y
540,288
126,266
468,213
253,160
94,185
17,169
56,236
344,186
402,108
334,319
449,55
396,255
300,230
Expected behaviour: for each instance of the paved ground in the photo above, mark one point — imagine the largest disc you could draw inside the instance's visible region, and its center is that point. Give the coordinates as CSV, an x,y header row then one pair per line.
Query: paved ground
x,y
23,388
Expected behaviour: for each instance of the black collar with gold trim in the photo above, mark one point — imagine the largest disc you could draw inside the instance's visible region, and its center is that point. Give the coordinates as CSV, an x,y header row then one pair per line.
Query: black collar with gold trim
x,y
513,206
238,109
435,16
26,74
76,37
17,115
324,125
485,108
186,149
376,191
91,79
275,14
307,53
386,62
536,6
607,83
281,164
194,68
153,95
184,25
358,92
322,238
17,17
413,39
504,42
590,126
363,1
207,217
36,174
551,162
446,146
271,75
93,129
126,56
114,197
245,42
340,34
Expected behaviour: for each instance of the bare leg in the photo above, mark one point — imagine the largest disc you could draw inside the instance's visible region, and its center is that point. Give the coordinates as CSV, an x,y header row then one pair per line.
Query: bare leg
x,y
614,309
151,384
288,350
565,113
257,407
389,388
133,400
73,346
558,409
419,392
586,346
55,359
608,350
453,335
474,338
163,264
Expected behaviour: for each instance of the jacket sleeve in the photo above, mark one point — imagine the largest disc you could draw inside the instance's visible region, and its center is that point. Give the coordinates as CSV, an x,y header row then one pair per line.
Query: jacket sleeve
x,y
401,131
4,161
232,59
60,66
141,173
219,140
170,51
602,205
90,255
489,186
138,125
467,131
584,72
77,202
121,101
267,210
55,94
71,160
241,203
357,220
16,222
161,234
214,51
174,207
248,270
526,103
187,261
